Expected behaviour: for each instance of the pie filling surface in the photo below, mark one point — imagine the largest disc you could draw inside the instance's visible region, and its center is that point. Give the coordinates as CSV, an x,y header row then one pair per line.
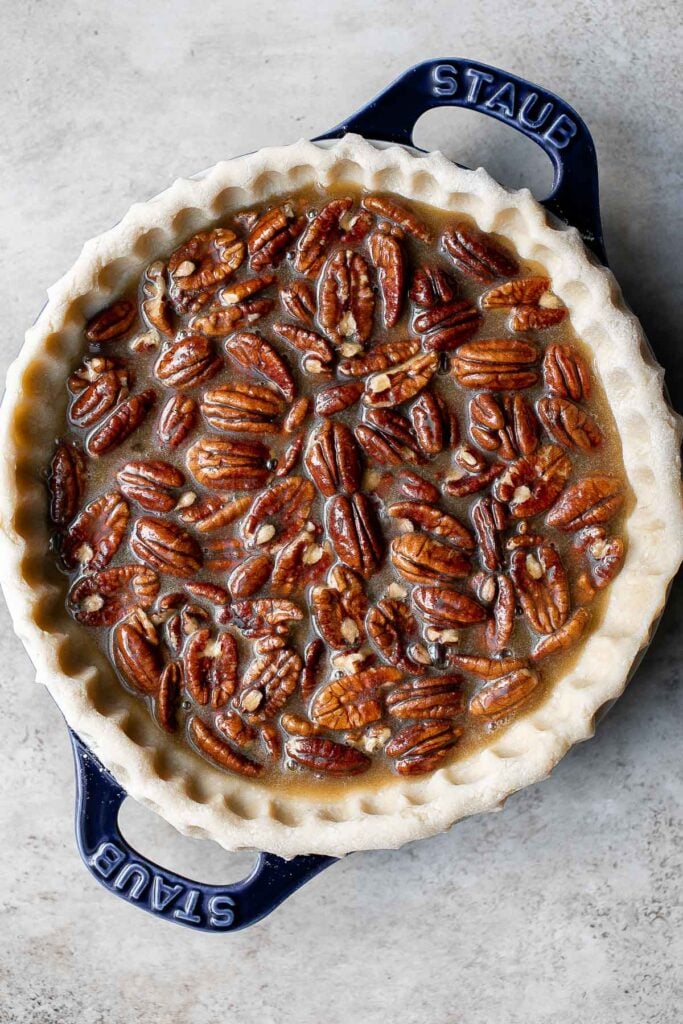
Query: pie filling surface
x,y
338,492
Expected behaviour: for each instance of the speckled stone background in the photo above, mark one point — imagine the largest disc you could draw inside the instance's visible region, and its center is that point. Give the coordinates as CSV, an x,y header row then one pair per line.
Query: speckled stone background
x,y
566,907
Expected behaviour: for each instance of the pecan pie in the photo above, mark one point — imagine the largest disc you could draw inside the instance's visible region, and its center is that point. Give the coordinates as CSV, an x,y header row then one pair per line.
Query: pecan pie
x,y
362,500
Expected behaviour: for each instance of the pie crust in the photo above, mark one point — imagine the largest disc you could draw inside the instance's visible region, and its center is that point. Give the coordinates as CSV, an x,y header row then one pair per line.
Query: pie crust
x,y
201,800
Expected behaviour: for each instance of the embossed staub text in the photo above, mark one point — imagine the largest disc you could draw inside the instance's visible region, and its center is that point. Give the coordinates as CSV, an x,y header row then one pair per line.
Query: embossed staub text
x,y
533,111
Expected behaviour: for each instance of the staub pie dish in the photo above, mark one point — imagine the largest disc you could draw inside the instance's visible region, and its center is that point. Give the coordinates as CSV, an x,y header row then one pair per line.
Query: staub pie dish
x,y
339,496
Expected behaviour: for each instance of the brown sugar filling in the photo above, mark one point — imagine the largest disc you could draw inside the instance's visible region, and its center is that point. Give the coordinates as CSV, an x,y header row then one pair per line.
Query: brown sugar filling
x,y
339,493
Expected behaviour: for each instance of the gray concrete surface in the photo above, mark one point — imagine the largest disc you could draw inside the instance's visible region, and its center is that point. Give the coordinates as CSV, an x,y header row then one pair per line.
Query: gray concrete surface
x,y
566,907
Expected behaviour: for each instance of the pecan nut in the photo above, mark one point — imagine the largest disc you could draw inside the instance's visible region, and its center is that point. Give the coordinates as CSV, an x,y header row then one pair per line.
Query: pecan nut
x,y
250,576
347,301
477,255
332,459
500,696
423,747
563,638
96,533
569,424
505,425
103,598
447,326
532,484
136,657
391,626
243,408
437,697
379,358
429,423
354,531
187,363
112,323
205,260
443,606
565,373
387,207
225,465
433,520
264,616
542,587
353,701
431,287
269,682
337,397
220,752
177,420
125,419
66,482
387,256
148,482
422,559
339,609
323,755
496,364
273,234
299,300
593,500
399,383
320,235
279,513
101,386
165,546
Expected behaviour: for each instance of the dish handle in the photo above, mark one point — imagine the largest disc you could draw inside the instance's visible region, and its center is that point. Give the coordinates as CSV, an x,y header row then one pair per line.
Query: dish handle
x,y
537,113
132,877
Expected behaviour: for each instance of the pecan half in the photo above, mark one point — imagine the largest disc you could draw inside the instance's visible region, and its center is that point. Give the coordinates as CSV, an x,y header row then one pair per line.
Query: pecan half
x,y
595,499
250,408
505,425
354,531
443,606
298,563
323,755
496,364
320,235
532,484
177,420
500,696
353,701
332,459
256,355
101,386
380,358
422,559
272,235
423,747
347,301
339,609
248,577
278,514
148,482
168,697
447,326
566,636
427,418
391,627
488,539
569,424
565,373
337,397
388,438
469,483
298,299
433,520
438,697
312,655
525,291
542,587
386,206
262,617
217,750
485,668
205,260
416,488
226,465
477,255
237,293
399,383
96,533
387,255
236,729
536,318
269,682
66,482
103,598
499,629
126,417
431,287
112,323
221,320
304,340
187,363
165,546
136,657
223,554
155,305
606,554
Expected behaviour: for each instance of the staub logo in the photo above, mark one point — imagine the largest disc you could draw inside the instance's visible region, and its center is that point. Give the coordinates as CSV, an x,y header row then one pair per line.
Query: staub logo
x,y
509,100
137,883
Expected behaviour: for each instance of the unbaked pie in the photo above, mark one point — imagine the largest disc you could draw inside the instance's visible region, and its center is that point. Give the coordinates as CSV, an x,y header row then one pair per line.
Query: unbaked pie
x,y
362,502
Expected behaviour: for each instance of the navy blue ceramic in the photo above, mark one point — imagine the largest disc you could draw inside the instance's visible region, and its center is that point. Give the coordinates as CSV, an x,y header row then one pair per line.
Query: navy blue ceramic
x,y
390,117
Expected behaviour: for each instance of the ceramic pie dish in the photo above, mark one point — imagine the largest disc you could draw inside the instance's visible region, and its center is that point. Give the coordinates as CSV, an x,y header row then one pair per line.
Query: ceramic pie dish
x,y
365,496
